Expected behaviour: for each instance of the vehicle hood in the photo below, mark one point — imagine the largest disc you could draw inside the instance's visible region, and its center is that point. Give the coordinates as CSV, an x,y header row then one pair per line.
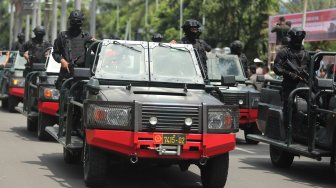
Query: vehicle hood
x,y
156,95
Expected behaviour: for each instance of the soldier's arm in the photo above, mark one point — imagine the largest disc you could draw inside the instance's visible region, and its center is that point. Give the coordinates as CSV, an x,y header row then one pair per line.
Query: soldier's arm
x,y
24,49
57,53
207,47
279,64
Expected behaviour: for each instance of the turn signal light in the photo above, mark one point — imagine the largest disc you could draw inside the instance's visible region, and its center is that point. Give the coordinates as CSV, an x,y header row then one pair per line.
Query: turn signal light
x,y
47,93
99,114
15,82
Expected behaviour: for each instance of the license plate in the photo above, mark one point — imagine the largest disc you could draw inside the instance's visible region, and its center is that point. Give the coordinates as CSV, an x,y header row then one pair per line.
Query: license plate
x,y
170,139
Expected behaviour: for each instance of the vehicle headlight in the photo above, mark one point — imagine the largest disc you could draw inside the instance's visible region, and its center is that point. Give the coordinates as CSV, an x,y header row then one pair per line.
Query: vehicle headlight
x,y
18,82
254,100
49,93
108,116
223,119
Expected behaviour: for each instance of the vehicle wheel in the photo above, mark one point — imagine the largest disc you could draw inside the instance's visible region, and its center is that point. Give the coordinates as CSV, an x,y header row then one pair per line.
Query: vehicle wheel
x,y
44,121
71,157
31,124
94,166
214,173
252,130
4,103
12,103
280,158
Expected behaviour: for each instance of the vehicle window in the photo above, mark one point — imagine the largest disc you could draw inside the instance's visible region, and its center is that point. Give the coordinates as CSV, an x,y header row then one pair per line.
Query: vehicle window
x,y
121,62
225,65
52,65
171,64
19,61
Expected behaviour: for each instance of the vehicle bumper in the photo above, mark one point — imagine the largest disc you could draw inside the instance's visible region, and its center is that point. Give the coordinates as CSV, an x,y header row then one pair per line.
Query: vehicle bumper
x,y
247,116
50,108
136,143
16,91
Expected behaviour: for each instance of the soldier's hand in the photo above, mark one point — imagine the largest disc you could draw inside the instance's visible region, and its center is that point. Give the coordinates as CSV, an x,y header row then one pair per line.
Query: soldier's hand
x,y
26,56
294,76
65,65
173,42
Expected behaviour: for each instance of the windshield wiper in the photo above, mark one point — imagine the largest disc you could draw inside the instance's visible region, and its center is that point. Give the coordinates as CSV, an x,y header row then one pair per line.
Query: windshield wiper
x,y
124,45
175,48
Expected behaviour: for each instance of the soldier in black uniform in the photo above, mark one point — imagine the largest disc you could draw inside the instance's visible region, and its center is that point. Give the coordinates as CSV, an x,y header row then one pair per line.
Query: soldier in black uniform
x,y
192,31
70,47
295,54
33,50
157,37
236,48
17,45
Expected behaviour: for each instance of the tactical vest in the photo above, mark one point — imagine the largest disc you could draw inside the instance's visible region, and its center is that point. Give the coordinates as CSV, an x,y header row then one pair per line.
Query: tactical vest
x,y
75,47
300,59
36,52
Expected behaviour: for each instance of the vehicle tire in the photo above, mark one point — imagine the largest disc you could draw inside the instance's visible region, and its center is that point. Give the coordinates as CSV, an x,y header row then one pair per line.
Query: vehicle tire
x,y
4,103
215,171
94,166
280,158
252,130
12,103
71,157
31,124
44,121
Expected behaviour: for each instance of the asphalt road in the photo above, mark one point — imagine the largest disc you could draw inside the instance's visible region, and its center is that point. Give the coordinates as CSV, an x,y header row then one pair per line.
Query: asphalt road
x,y
28,163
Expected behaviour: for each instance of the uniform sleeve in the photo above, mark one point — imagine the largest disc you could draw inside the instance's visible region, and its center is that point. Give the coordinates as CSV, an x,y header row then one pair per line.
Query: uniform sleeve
x,y
24,48
207,47
57,54
275,28
279,64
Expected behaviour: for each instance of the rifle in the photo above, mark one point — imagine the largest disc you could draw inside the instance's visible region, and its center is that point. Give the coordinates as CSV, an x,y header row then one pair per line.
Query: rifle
x,y
301,73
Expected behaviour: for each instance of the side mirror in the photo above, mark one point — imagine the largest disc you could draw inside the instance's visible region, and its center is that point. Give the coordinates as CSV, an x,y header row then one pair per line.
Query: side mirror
x,y
82,73
38,66
228,80
323,83
260,78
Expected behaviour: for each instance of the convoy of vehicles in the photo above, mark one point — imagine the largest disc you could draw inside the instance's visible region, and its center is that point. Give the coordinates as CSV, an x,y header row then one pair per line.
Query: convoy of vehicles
x,y
311,131
236,90
41,97
135,104
12,82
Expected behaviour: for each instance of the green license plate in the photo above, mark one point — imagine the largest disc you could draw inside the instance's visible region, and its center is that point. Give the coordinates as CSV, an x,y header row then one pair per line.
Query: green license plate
x,y
170,139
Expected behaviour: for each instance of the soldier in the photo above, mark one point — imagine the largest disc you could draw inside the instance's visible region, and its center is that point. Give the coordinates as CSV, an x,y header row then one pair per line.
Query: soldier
x,y
17,45
157,37
33,50
292,55
281,29
70,47
236,48
192,31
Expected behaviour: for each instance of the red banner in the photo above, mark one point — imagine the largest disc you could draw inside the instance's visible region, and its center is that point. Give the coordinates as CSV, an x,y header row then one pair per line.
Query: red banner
x,y
320,25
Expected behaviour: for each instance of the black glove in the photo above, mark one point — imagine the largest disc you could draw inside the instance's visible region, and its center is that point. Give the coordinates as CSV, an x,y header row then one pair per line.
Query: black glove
x,y
293,76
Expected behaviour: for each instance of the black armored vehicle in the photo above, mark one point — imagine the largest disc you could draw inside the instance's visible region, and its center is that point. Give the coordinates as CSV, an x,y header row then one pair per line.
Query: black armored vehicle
x,y
144,101
12,82
311,131
41,98
226,72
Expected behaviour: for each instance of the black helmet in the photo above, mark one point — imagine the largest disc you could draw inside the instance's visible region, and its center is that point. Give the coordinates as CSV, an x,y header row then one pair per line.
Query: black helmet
x,y
39,31
76,18
157,37
296,35
236,47
188,24
20,35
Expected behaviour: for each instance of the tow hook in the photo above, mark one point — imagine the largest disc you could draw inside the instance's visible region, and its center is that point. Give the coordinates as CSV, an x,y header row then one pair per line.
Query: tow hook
x,y
203,160
133,158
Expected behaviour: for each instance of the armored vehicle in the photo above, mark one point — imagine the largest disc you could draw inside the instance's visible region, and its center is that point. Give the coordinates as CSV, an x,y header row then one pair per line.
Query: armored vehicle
x,y
41,99
12,82
144,101
226,72
311,129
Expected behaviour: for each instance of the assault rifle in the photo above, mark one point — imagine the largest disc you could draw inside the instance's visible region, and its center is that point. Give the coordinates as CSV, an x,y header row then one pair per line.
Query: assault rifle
x,y
301,73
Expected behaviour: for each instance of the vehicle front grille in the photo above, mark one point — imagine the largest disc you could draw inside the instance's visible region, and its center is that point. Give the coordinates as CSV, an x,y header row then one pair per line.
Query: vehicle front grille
x,y
171,118
233,98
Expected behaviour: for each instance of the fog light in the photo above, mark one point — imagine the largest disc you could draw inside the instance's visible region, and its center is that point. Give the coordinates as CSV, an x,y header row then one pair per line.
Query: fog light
x,y
240,101
188,121
153,120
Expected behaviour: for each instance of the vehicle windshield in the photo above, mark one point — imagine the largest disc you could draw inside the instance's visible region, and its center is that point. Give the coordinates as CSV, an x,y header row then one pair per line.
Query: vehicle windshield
x,y
19,61
174,64
120,61
52,65
224,65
